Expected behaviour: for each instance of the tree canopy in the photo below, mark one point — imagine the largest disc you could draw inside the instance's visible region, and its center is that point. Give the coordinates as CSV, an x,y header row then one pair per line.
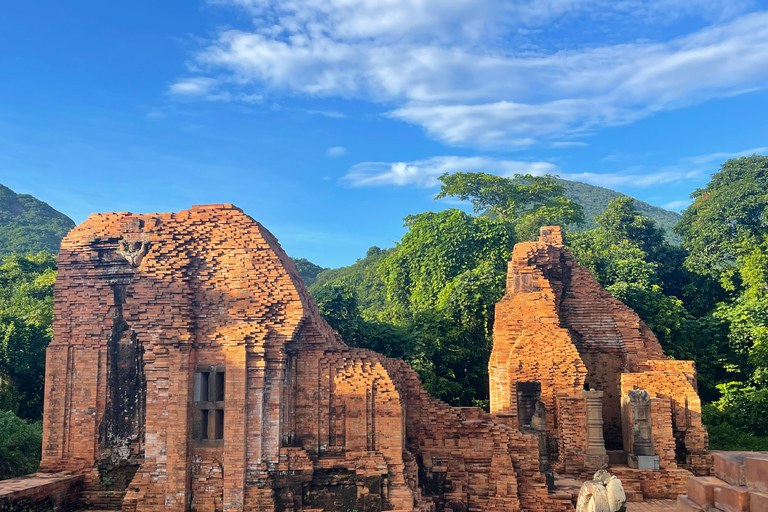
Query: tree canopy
x,y
26,318
527,202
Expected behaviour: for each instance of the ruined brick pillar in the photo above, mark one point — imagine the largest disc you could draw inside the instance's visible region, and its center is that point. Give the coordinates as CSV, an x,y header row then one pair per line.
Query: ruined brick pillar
x,y
595,456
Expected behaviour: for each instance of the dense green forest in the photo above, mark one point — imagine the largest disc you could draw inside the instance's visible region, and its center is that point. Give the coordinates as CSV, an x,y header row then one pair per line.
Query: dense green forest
x,y
430,300
28,225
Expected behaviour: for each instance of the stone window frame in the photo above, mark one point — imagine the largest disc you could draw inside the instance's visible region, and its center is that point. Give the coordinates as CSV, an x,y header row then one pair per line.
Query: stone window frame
x,y
209,393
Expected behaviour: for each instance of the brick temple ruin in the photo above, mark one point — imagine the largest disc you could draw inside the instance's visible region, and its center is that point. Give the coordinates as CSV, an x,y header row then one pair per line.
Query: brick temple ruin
x,y
191,370
609,395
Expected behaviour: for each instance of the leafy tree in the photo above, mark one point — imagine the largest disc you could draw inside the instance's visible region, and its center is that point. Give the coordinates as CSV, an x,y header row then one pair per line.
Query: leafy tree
x,y
20,445
26,318
726,218
621,222
527,202
737,420
338,305
726,233
363,277
437,248
308,271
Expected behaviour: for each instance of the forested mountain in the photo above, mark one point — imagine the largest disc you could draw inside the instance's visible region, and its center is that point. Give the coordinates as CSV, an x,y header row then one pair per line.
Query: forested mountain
x,y
28,225
595,199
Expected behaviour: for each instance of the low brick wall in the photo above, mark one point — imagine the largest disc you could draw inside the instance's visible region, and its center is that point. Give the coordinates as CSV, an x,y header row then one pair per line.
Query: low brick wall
x,y
40,492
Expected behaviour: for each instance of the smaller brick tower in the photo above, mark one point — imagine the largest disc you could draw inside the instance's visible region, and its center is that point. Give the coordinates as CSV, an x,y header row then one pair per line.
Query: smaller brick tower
x,y
560,338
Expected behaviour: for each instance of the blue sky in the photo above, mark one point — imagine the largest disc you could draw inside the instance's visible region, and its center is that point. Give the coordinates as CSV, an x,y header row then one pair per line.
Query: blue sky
x,y
328,120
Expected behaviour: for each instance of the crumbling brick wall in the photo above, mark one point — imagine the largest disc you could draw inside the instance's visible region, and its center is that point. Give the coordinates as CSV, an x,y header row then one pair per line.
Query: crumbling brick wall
x,y
557,326
156,315
673,383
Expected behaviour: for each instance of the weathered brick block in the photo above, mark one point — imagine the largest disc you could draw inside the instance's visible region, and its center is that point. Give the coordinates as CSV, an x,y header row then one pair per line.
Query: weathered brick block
x,y
756,472
730,498
701,489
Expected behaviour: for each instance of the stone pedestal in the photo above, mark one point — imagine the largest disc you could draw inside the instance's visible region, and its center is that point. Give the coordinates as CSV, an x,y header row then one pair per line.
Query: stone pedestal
x,y
539,428
643,461
595,456
638,437
642,432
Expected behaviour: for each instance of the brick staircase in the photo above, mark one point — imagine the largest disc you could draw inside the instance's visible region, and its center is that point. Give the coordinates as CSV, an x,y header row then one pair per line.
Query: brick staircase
x,y
633,489
101,500
739,484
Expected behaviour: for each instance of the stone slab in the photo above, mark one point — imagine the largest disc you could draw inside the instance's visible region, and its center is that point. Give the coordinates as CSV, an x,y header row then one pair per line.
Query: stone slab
x,y
643,461
729,466
685,504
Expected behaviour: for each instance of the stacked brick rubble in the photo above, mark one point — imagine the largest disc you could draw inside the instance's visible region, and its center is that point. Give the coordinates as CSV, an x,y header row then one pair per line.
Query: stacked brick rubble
x,y
558,327
144,303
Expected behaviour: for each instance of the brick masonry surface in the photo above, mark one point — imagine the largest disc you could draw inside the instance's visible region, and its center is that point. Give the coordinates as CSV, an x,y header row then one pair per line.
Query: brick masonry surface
x,y
152,310
40,492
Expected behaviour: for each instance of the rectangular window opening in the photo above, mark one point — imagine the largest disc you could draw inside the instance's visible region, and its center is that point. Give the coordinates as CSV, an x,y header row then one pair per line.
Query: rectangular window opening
x,y
219,387
201,386
218,427
209,396
204,424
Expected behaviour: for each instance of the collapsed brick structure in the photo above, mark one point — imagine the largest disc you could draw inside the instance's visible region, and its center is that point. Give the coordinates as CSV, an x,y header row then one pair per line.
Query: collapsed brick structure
x,y
562,339
191,369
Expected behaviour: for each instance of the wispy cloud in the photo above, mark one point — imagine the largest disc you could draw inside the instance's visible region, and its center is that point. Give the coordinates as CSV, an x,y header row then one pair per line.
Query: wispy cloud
x,y
677,205
569,144
196,86
689,169
448,65
336,151
424,173
211,89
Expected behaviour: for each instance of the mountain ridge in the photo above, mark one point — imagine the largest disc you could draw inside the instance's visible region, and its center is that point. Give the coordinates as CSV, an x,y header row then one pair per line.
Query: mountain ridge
x,y
29,225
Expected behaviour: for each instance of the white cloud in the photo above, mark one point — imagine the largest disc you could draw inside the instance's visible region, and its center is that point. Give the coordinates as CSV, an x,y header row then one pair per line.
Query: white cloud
x,y
424,173
466,72
677,205
336,151
689,169
193,86
451,20
569,144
